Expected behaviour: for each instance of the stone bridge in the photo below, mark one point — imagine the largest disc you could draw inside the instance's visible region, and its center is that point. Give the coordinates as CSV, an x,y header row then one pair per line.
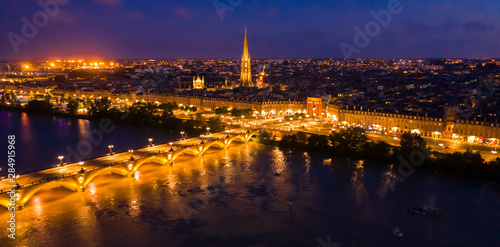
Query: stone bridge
x,y
78,181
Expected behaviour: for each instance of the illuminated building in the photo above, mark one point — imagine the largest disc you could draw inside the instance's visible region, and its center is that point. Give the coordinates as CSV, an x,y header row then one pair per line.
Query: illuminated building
x,y
246,66
198,83
314,106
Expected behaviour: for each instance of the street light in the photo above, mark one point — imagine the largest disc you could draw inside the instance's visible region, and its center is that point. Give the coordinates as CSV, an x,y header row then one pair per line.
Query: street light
x,y
208,130
150,142
60,159
182,133
131,151
110,149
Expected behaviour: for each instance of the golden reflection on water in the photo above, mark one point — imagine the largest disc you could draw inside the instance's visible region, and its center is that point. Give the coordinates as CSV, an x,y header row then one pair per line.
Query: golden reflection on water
x,y
92,188
278,160
358,173
308,161
38,207
384,183
137,176
25,121
361,194
83,128
27,132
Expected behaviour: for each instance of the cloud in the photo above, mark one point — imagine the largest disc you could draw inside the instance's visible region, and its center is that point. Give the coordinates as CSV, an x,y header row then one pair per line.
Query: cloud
x,y
109,2
135,15
182,12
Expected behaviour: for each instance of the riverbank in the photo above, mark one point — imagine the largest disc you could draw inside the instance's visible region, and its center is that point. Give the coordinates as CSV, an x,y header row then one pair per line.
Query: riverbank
x,y
139,115
413,153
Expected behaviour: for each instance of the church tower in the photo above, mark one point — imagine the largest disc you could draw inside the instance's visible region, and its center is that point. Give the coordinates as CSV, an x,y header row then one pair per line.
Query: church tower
x,y
198,83
246,69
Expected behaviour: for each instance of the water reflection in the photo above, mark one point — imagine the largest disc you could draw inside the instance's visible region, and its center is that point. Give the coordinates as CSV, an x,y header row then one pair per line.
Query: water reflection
x,y
144,210
278,161
37,207
385,180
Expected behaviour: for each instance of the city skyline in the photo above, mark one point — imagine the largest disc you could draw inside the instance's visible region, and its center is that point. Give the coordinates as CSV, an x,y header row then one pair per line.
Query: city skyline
x,y
116,29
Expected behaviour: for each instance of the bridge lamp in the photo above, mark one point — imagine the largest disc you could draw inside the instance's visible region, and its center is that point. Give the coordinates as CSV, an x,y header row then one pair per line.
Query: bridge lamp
x,y
80,179
150,142
131,151
130,166
110,149
81,163
60,159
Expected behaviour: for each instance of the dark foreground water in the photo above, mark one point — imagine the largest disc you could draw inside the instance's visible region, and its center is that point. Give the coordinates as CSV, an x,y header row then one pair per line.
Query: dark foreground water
x,y
241,197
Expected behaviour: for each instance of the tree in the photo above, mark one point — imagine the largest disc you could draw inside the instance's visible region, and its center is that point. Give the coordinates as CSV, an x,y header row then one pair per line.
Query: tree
x,y
266,137
215,124
235,112
72,106
100,107
296,141
221,110
169,107
410,142
143,113
318,143
380,151
347,141
40,107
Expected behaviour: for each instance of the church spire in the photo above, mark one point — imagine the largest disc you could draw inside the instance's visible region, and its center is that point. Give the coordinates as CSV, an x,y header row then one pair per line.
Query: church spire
x,y
246,70
245,46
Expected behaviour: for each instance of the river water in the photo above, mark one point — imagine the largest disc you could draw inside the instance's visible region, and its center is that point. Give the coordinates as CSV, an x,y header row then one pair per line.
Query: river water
x,y
249,195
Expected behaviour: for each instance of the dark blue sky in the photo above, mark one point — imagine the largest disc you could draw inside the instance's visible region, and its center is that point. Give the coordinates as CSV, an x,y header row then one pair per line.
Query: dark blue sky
x,y
276,29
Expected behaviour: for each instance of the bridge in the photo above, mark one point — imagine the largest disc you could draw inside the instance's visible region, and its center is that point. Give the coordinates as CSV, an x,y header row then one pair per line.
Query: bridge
x,y
77,176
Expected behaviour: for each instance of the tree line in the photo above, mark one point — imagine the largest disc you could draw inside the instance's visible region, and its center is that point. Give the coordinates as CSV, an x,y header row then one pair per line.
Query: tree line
x,y
354,143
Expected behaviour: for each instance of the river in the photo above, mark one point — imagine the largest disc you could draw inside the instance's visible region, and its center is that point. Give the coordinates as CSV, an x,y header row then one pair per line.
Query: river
x,y
249,195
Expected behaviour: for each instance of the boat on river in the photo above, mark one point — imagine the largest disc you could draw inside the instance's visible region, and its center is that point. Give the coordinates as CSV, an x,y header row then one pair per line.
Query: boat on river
x,y
397,232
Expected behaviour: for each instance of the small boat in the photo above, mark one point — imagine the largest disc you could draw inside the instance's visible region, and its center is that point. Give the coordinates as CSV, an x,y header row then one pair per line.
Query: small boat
x,y
425,210
397,232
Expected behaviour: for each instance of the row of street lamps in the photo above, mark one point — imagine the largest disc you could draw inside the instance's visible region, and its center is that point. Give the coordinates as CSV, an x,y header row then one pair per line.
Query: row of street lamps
x,y
61,163
131,151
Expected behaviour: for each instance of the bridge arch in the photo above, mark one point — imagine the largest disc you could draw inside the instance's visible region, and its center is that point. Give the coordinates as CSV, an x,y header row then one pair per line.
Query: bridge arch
x,y
148,160
5,202
208,145
255,133
241,138
29,192
93,174
185,150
